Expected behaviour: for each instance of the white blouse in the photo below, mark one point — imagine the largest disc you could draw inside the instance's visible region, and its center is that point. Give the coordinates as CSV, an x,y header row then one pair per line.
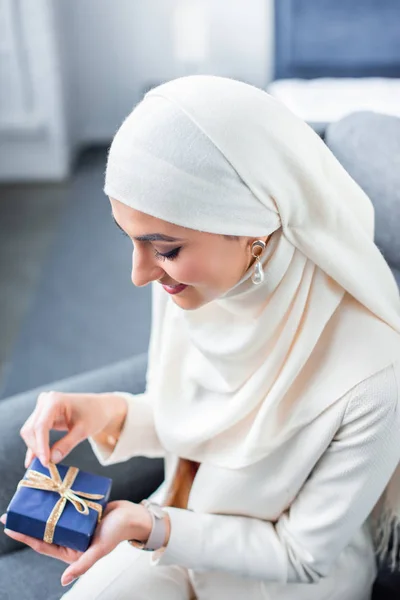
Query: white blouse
x,y
299,516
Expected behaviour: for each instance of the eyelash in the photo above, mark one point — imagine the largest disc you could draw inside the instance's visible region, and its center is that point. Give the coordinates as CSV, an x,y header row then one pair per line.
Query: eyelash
x,y
170,256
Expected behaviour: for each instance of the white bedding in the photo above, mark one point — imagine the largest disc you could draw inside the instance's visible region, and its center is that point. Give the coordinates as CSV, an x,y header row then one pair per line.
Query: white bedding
x,y
325,100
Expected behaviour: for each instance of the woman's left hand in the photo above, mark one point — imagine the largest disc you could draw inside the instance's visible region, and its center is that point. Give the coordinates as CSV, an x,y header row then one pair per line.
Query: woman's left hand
x,y
122,520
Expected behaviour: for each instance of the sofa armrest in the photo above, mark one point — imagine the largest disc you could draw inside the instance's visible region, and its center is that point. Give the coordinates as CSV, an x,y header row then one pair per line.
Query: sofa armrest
x,y
133,480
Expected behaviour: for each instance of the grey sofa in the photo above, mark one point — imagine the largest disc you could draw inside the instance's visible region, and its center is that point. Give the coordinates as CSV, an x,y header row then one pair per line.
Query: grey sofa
x,y
368,145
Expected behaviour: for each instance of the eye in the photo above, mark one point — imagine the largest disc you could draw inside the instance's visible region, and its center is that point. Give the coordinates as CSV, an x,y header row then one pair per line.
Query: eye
x,y
169,256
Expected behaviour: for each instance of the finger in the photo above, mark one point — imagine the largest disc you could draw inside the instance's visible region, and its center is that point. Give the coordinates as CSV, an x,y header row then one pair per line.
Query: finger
x,y
29,457
27,433
53,550
44,423
96,551
34,543
83,564
64,446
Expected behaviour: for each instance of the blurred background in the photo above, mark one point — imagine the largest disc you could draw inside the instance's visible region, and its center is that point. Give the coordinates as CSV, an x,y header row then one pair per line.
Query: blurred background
x,y
70,71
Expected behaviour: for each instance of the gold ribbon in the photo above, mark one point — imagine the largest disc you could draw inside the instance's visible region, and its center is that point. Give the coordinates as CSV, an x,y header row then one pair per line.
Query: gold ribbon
x,y
39,481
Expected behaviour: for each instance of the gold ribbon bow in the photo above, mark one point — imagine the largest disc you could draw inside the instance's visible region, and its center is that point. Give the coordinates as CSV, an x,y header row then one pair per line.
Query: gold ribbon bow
x,y
39,481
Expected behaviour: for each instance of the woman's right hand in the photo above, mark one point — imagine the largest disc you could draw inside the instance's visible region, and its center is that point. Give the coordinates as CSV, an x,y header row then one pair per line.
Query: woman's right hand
x,y
81,415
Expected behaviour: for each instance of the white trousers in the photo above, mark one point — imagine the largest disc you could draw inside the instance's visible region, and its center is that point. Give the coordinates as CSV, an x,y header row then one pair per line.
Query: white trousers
x,y
126,574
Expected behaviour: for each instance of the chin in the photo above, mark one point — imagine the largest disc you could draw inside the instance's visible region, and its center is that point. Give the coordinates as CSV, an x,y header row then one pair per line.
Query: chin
x,y
187,303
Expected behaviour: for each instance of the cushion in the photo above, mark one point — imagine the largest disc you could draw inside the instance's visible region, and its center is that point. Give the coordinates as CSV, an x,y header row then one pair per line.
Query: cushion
x,y
29,575
368,146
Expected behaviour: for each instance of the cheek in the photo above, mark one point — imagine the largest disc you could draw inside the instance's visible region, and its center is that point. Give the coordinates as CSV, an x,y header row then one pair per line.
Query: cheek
x,y
192,272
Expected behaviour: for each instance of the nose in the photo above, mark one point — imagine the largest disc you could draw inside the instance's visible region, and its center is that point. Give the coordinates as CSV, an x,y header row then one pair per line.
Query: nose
x,y
144,269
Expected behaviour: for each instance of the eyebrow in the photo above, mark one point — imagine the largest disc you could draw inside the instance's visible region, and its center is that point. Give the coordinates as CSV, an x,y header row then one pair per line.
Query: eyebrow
x,y
150,237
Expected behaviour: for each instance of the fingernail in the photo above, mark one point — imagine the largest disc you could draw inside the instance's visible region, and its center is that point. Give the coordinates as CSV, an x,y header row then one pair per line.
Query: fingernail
x,y
56,456
68,580
3,518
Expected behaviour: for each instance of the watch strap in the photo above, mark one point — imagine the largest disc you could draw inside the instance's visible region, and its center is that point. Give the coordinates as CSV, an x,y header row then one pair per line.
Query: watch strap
x,y
158,532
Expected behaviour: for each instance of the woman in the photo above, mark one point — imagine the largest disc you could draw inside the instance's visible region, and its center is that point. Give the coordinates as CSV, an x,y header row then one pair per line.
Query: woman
x,y
272,385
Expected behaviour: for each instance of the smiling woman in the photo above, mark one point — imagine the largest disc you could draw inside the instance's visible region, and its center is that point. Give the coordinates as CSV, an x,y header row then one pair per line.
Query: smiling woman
x,y
272,380
205,265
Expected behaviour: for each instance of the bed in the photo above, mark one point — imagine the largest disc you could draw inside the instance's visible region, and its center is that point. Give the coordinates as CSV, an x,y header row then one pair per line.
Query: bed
x,y
336,56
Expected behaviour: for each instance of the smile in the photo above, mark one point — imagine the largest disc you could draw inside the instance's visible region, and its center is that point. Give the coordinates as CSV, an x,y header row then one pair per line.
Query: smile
x,y
174,289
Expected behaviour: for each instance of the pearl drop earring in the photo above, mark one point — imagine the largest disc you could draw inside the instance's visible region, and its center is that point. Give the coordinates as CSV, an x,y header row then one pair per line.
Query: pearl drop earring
x,y
258,273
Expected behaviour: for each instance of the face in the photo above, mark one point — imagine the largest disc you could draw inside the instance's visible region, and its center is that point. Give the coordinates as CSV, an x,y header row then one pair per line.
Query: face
x,y
208,264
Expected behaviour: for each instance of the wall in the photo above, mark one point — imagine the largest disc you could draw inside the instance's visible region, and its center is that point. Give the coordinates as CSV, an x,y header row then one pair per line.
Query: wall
x,y
116,50
88,62
32,127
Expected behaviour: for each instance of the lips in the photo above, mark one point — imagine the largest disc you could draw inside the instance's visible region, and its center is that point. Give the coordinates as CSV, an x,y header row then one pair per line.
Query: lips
x,y
174,289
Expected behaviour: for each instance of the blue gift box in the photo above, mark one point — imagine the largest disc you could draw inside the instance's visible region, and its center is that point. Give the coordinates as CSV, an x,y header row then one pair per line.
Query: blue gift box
x,y
30,508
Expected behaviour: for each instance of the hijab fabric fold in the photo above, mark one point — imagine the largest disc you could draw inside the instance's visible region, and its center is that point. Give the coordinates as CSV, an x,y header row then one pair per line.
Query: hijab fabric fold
x,y
233,380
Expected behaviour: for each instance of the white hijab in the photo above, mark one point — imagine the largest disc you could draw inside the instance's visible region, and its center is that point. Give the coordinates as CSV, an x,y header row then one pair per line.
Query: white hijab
x,y
233,380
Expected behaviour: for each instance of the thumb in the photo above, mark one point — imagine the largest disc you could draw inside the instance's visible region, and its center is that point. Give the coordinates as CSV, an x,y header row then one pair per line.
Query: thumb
x,y
83,564
64,446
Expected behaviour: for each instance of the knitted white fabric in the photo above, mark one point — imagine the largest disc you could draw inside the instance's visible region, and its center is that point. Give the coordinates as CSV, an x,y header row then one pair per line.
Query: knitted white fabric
x,y
158,137
239,376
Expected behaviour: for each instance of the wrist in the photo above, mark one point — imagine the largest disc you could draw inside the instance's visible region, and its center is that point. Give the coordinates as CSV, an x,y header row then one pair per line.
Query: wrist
x,y
115,409
150,528
140,525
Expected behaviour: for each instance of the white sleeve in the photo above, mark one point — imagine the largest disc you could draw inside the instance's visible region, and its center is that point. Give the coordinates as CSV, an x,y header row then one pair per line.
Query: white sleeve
x,y
336,499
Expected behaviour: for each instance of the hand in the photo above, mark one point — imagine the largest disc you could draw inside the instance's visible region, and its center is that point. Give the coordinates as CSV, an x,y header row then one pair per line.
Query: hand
x,y
122,520
81,415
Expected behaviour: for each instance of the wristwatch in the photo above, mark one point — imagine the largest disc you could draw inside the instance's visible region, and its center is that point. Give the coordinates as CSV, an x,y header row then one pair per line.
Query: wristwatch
x,y
158,532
